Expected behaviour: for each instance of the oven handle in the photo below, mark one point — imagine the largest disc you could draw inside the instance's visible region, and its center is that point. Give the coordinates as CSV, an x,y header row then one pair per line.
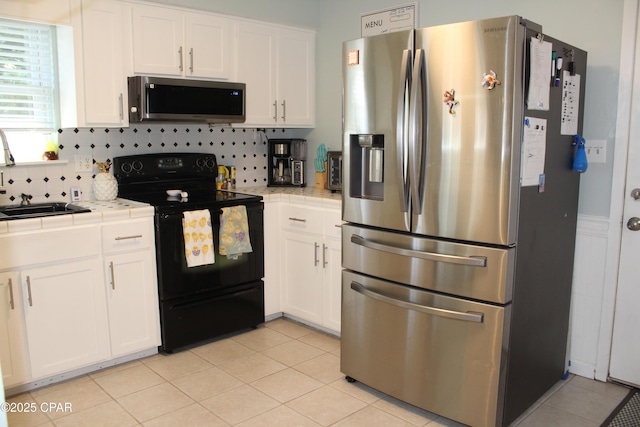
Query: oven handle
x,y
458,315
199,302
474,261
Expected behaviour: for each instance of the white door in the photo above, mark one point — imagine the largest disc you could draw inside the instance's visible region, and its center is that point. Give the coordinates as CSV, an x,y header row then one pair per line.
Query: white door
x,y
625,350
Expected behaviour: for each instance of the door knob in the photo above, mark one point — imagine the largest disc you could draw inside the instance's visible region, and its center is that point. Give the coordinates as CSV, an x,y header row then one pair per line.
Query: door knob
x,y
633,224
635,193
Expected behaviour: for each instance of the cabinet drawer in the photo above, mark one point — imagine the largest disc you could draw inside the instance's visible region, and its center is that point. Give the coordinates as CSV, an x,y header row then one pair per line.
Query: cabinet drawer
x,y
298,218
129,235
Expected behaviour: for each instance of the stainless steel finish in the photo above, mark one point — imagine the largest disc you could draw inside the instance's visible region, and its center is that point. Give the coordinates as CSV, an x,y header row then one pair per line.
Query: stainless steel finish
x,y
181,66
633,224
417,143
284,111
8,157
470,271
281,149
635,193
324,256
11,303
431,256
275,110
398,345
375,164
25,199
121,106
297,219
316,246
135,236
402,120
191,60
113,276
29,291
467,316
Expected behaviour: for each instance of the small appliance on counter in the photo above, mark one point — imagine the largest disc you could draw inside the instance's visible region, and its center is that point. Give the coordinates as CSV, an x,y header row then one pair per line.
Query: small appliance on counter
x,y
334,166
286,162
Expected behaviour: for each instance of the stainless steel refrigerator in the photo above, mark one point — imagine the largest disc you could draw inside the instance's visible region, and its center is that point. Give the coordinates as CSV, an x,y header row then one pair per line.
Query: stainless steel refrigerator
x,y
461,206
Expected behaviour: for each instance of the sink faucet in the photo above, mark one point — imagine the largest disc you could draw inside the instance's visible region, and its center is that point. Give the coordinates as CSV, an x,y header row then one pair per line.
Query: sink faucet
x,y
26,199
8,157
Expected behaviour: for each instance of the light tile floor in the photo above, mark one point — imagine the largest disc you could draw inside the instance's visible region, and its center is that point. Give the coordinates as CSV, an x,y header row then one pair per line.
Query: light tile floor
x,y
280,374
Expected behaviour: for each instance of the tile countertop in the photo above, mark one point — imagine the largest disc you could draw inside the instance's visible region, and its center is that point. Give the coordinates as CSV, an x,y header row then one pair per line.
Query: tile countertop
x,y
101,211
304,195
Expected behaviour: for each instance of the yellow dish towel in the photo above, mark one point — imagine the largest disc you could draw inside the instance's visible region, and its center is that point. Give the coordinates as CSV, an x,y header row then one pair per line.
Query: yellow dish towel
x,y
198,238
234,232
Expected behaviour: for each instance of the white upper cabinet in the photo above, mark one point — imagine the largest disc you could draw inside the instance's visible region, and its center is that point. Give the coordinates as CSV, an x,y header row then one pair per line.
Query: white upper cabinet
x,y
172,42
278,66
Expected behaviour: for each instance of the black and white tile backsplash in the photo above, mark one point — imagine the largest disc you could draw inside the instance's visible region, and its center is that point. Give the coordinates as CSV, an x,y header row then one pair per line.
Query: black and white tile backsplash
x,y
246,149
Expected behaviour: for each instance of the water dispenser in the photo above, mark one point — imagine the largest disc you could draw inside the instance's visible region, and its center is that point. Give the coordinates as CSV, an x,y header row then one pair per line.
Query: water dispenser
x,y
367,166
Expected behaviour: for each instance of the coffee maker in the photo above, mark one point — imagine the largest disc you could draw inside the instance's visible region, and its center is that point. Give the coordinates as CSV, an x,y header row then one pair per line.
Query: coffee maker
x,y
286,162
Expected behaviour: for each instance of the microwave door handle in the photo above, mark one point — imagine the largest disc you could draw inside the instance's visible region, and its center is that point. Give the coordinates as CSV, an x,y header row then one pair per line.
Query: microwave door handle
x,y
401,128
416,134
471,261
441,312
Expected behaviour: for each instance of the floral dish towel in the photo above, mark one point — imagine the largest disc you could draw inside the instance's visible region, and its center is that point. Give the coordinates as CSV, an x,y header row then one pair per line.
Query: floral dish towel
x,y
198,238
234,232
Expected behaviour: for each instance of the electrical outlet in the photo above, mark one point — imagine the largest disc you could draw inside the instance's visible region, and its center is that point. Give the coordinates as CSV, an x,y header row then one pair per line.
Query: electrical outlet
x,y
84,163
596,150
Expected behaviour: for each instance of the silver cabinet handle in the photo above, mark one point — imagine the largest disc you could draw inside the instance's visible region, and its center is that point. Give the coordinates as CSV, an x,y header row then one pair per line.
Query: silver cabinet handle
x,y
121,106
284,111
113,276
458,315
181,66
338,225
191,60
474,261
324,256
29,291
136,236
275,111
297,219
11,303
315,254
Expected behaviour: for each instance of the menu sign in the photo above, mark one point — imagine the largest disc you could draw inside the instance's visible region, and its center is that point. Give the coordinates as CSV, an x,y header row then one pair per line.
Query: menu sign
x,y
388,20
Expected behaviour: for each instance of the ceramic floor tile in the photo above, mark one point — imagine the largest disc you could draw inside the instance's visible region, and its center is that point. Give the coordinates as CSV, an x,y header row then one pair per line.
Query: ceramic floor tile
x,y
261,338
205,384
127,381
614,391
322,341
288,327
584,403
279,417
221,351
178,365
326,405
357,390
80,395
286,385
24,418
251,368
409,413
372,417
325,368
239,404
193,415
153,402
113,369
108,414
549,416
292,352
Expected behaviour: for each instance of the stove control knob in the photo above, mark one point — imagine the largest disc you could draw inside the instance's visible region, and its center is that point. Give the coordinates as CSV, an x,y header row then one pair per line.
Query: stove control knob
x,y
126,168
209,162
137,165
200,162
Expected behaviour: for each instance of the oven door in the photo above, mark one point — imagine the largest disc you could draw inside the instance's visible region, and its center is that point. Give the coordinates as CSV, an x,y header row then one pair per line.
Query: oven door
x,y
443,354
176,280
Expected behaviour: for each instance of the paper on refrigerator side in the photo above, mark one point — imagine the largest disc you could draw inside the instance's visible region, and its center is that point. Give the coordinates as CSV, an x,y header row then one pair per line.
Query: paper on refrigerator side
x,y
540,75
534,146
570,103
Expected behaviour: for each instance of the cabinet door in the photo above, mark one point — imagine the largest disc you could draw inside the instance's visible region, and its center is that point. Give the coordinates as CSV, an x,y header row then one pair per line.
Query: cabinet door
x,y
157,41
13,349
332,284
257,68
296,78
65,316
132,298
209,46
104,78
302,276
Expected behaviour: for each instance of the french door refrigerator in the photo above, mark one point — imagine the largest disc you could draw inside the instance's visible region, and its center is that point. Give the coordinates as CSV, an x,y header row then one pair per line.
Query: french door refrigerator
x,y
461,205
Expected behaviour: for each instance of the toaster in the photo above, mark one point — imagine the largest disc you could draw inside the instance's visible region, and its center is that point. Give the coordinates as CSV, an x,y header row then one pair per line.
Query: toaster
x,y
334,170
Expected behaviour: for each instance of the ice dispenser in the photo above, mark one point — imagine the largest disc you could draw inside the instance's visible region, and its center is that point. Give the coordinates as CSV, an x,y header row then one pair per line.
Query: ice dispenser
x,y
367,165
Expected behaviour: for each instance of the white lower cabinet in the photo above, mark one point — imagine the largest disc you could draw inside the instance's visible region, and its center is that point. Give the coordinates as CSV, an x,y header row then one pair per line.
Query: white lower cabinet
x,y
311,264
65,316
13,348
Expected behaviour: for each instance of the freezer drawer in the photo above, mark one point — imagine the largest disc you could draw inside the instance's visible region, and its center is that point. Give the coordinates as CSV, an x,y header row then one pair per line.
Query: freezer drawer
x,y
471,271
443,354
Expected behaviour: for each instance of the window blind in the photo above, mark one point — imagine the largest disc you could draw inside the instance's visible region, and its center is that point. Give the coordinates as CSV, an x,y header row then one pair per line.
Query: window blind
x,y
27,76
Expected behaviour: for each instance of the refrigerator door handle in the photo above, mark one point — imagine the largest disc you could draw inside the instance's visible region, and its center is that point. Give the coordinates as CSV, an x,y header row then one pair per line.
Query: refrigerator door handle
x,y
401,128
417,130
458,315
472,261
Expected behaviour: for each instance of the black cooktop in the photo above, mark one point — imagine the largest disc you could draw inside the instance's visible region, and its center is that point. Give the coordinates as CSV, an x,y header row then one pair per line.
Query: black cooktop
x,y
196,199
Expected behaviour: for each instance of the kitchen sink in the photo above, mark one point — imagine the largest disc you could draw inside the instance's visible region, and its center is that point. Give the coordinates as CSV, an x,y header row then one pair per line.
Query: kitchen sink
x,y
37,210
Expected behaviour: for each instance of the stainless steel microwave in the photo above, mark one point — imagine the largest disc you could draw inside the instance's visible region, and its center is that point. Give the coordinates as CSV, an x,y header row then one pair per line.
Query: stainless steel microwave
x,y
180,100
